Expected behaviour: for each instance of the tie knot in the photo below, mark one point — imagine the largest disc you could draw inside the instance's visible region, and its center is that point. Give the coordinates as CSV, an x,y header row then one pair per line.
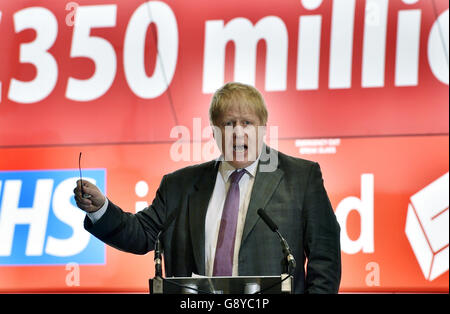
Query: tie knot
x,y
237,175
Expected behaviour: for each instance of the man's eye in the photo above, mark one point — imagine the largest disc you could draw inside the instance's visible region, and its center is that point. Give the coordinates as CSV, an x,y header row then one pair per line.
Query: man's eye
x,y
228,123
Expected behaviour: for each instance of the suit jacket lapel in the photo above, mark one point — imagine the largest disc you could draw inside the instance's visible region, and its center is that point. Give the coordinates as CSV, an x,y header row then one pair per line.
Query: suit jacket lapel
x,y
264,186
198,205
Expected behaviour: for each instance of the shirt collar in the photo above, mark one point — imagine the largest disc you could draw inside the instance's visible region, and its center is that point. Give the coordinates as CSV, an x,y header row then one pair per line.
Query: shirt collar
x,y
226,169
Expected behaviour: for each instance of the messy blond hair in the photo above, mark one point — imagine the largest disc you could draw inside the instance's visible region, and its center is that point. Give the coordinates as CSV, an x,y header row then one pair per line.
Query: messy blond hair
x,y
237,93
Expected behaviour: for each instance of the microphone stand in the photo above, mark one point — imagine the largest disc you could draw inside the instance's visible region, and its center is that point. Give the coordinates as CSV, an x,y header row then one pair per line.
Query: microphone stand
x,y
288,263
158,279
158,256
156,286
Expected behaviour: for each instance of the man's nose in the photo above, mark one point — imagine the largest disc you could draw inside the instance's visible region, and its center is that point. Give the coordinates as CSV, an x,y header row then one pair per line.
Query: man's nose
x,y
239,131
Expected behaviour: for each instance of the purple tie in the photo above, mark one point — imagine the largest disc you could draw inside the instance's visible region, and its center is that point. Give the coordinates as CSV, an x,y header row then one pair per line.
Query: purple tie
x,y
223,262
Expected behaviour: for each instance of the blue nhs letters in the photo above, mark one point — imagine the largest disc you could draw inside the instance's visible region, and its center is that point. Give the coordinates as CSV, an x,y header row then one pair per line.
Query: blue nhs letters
x,y
40,223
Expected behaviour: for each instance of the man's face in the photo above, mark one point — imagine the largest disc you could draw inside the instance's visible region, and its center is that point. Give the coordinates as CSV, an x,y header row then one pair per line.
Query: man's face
x,y
240,138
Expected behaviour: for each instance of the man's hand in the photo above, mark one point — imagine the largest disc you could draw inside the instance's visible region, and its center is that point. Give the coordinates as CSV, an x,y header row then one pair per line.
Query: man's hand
x,y
91,204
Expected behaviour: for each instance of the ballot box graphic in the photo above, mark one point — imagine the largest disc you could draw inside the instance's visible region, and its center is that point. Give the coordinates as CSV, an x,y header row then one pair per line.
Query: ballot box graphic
x,y
427,227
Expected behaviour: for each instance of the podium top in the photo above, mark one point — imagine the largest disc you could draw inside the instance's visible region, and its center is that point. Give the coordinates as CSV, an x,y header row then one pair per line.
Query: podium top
x,y
221,285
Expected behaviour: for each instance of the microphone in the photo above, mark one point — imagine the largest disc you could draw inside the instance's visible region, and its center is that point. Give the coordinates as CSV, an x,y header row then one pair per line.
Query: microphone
x,y
157,284
158,244
267,220
286,250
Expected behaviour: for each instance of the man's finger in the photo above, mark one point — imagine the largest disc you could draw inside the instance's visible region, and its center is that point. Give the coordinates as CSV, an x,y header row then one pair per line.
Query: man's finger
x,y
84,206
81,204
76,191
90,190
82,201
86,183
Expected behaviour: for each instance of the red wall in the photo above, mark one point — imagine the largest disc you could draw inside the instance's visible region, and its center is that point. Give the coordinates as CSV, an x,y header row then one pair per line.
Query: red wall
x,y
382,112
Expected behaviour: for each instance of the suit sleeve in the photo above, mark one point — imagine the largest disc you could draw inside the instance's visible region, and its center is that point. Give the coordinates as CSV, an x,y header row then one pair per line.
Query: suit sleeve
x,y
322,238
134,233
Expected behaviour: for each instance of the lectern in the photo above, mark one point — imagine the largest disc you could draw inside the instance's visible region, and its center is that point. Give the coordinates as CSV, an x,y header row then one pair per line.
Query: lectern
x,y
226,285
222,285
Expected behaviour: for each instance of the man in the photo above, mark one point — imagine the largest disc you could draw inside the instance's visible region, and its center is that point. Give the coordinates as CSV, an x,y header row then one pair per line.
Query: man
x,y
215,229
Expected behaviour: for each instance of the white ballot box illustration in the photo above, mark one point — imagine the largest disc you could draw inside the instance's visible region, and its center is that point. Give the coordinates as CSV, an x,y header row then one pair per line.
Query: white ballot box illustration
x,y
427,227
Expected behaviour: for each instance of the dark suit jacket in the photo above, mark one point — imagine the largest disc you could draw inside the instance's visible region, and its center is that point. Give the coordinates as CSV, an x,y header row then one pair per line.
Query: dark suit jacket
x,y
293,196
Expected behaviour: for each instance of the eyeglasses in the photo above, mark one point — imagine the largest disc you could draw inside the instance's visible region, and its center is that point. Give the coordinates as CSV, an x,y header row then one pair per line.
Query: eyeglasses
x,y
84,195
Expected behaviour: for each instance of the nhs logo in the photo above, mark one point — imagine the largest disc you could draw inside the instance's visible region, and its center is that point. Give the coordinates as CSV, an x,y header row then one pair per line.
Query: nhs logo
x,y
40,223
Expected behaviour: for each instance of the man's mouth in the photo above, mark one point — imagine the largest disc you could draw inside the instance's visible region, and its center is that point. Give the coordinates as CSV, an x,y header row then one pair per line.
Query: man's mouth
x,y
240,148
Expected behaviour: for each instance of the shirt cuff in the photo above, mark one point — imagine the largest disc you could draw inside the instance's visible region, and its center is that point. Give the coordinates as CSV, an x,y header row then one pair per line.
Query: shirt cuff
x,y
95,216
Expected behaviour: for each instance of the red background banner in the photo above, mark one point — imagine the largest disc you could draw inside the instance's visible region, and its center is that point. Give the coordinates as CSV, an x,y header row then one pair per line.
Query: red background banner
x,y
393,133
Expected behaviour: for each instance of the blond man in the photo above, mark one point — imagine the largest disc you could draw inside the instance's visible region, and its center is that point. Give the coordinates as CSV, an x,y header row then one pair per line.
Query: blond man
x,y
209,212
